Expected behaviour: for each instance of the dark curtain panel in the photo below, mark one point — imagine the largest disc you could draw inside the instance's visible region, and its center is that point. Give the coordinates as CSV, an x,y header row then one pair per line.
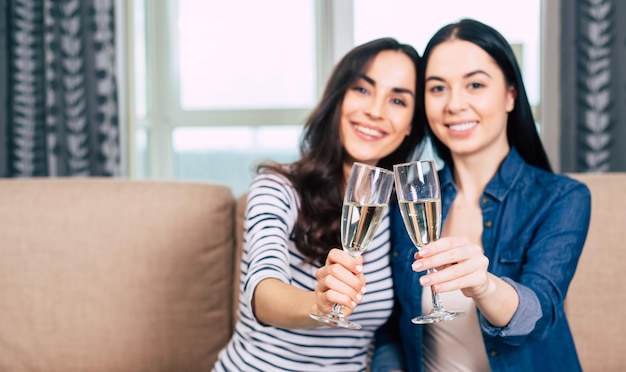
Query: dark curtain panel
x,y
593,86
59,112
4,141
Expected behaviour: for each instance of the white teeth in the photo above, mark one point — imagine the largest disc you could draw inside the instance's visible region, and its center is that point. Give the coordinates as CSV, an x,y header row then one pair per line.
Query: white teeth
x,y
464,126
368,131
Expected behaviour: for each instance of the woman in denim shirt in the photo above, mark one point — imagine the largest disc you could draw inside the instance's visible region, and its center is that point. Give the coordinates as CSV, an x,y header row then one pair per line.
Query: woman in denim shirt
x,y
513,230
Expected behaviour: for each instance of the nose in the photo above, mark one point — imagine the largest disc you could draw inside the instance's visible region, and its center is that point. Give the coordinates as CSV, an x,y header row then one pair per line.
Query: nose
x,y
456,101
375,108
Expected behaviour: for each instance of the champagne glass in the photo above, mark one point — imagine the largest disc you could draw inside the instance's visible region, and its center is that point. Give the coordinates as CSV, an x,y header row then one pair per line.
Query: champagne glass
x,y
419,198
364,205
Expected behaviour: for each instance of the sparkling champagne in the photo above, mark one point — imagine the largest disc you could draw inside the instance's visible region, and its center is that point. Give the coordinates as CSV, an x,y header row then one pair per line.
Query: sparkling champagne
x,y
358,225
422,219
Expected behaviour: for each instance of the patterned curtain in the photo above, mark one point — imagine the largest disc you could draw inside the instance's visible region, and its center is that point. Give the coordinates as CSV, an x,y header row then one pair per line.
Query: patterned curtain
x,y
58,112
593,86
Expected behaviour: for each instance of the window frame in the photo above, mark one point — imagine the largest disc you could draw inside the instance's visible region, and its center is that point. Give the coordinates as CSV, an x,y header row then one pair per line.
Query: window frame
x,y
164,113
334,37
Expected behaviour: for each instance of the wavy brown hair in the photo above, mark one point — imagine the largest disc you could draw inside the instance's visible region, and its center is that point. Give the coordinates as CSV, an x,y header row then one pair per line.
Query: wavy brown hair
x,y
318,176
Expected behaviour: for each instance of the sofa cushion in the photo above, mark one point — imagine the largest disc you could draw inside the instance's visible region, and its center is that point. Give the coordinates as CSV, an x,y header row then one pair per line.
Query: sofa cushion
x,y
114,275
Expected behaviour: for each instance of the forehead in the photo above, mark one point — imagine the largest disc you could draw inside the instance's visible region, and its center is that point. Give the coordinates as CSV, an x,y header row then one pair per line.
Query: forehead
x,y
392,68
456,56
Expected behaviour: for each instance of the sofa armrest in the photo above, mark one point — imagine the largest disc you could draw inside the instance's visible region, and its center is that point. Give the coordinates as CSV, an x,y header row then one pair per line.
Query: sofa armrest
x,y
596,297
114,275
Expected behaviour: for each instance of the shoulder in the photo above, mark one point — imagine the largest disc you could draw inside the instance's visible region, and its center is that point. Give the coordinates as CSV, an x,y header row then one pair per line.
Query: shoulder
x,y
271,182
558,184
272,188
556,181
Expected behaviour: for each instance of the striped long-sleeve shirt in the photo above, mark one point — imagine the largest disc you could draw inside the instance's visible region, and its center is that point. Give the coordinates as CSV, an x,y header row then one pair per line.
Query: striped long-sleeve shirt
x,y
269,252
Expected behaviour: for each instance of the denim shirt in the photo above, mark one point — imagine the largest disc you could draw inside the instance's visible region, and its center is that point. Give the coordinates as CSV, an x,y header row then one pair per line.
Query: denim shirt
x,y
534,227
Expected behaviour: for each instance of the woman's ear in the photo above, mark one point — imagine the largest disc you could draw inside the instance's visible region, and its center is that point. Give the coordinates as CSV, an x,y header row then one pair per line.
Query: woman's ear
x,y
511,94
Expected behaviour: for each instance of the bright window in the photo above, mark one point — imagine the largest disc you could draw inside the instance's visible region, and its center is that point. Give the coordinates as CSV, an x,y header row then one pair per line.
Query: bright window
x,y
231,58
228,154
219,86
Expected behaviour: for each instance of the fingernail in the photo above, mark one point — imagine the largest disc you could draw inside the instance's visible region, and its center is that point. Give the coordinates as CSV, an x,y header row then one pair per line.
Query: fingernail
x,y
359,297
417,265
423,252
424,280
353,303
363,289
359,268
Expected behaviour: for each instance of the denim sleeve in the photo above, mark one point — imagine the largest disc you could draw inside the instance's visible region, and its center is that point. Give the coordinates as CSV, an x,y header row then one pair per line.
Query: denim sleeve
x,y
525,317
549,263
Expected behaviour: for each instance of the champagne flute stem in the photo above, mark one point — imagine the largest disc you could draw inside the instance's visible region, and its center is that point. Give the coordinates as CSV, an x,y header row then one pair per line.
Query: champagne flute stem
x,y
437,305
337,310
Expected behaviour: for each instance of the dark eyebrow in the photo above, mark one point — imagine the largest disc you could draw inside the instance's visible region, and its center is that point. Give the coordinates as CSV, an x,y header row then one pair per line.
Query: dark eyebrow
x,y
468,75
396,90
368,79
472,73
436,78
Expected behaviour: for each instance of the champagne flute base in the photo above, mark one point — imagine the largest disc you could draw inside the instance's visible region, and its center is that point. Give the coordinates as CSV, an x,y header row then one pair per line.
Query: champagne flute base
x,y
335,320
437,316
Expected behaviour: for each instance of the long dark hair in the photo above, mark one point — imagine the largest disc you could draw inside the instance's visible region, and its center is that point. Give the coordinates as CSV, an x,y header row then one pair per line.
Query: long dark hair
x,y
521,130
318,176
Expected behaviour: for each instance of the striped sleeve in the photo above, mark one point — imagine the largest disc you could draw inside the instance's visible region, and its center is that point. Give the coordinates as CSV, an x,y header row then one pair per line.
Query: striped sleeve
x,y
270,216
270,252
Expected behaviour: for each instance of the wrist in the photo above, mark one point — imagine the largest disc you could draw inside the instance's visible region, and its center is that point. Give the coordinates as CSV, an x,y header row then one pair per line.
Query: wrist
x,y
486,290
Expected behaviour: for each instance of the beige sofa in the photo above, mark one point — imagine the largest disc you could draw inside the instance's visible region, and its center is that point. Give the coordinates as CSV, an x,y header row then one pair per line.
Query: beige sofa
x,y
119,275
114,275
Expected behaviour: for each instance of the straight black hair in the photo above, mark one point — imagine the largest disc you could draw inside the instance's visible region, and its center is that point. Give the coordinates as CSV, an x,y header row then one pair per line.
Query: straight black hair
x,y
521,128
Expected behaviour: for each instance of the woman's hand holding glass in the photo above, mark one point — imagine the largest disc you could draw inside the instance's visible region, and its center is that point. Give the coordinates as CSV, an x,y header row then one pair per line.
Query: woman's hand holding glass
x,y
419,198
365,202
339,281
459,264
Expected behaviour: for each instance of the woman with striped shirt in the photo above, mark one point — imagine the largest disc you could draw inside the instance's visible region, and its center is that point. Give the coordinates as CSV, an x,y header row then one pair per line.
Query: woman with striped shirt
x,y
371,113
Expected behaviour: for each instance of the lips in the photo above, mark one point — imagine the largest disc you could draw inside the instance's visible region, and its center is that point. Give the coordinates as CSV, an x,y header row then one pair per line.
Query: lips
x,y
461,127
368,131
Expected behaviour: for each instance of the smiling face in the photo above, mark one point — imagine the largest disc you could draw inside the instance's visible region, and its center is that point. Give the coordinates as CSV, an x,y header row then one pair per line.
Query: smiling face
x,y
467,100
378,108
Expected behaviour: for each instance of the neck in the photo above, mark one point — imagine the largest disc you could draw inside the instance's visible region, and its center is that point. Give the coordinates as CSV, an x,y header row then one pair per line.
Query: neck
x,y
473,172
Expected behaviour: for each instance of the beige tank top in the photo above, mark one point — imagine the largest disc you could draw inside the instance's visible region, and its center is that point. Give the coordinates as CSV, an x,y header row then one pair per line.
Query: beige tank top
x,y
455,345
